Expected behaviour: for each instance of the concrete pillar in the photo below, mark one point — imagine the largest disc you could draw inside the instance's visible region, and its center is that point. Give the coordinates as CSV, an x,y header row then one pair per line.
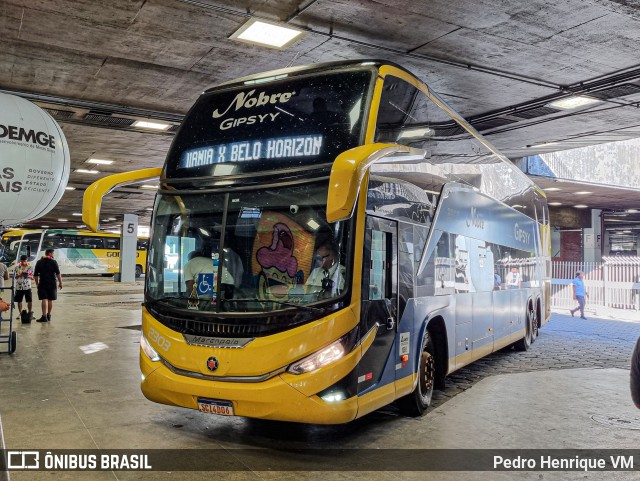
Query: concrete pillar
x,y
592,238
128,248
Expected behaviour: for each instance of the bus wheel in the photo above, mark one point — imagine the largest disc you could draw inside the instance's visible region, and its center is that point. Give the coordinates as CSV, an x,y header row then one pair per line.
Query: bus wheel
x,y
533,314
417,402
138,271
524,343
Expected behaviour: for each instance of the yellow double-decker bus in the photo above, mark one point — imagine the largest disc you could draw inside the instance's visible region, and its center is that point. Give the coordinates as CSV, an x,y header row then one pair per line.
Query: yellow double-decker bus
x,y
77,251
341,239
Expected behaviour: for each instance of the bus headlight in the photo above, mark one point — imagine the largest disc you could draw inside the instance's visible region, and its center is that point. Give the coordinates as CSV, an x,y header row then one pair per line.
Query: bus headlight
x,y
148,350
331,353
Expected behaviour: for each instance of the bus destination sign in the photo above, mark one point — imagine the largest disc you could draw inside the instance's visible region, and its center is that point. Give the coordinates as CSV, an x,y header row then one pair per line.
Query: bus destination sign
x,y
271,148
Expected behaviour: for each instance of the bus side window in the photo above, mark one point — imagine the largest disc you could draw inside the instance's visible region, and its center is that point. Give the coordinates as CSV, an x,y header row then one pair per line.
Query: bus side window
x,y
111,243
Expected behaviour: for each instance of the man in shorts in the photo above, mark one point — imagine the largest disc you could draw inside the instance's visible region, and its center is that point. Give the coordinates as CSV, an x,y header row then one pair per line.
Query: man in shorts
x,y
46,273
24,274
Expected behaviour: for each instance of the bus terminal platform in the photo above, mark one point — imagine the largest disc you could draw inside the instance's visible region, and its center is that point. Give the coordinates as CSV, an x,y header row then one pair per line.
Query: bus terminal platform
x,y
73,383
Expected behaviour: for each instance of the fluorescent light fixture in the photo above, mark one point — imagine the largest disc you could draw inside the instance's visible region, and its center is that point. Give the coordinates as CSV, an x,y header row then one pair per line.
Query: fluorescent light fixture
x,y
77,214
267,34
581,206
554,203
100,161
148,186
87,171
552,189
144,124
632,211
572,102
112,218
415,133
583,192
63,220
69,188
543,144
313,225
44,226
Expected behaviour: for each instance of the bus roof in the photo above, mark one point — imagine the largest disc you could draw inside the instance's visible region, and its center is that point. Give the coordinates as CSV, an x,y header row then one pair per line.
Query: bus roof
x,y
303,69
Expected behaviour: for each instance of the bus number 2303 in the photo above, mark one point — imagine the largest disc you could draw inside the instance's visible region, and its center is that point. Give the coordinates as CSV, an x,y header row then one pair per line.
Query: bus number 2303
x,y
160,341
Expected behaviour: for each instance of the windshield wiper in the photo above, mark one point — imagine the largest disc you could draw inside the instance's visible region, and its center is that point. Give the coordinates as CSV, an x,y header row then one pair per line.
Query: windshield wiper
x,y
282,303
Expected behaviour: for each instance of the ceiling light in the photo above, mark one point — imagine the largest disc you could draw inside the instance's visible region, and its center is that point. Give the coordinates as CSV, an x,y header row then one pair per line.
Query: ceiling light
x,y
62,220
44,226
100,161
554,203
543,144
69,188
572,102
581,206
267,34
552,189
143,124
583,192
313,225
148,186
633,211
77,214
415,133
87,171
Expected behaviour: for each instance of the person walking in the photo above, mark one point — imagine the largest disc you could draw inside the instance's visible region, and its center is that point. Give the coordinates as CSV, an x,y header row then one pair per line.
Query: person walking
x,y
24,275
46,272
579,294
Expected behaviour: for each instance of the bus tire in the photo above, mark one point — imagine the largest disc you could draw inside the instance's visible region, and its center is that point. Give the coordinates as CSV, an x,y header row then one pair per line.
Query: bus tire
x,y
416,403
534,323
525,343
138,270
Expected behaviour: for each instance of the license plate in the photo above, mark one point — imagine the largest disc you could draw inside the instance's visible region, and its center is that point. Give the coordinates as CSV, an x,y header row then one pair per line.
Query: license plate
x,y
223,408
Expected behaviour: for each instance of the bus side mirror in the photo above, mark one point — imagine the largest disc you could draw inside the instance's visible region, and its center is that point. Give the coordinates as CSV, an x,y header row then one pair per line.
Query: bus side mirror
x,y
347,173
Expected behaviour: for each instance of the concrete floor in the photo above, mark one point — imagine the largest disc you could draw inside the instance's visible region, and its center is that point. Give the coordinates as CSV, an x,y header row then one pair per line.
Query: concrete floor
x,y
57,394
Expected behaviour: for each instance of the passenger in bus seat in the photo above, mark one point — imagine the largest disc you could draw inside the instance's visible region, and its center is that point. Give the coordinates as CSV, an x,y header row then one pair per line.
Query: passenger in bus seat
x,y
514,279
201,269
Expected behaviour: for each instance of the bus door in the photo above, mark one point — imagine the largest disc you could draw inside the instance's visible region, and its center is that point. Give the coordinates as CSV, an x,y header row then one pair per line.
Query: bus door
x,y
379,301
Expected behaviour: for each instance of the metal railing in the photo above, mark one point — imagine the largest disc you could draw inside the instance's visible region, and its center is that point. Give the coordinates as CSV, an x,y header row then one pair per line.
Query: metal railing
x,y
614,282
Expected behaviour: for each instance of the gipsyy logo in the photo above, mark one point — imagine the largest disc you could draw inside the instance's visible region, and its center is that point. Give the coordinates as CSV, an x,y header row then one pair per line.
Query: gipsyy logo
x,y
474,219
12,132
212,363
247,100
522,235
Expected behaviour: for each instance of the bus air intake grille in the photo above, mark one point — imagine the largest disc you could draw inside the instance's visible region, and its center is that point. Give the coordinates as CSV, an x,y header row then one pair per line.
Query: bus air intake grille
x,y
239,327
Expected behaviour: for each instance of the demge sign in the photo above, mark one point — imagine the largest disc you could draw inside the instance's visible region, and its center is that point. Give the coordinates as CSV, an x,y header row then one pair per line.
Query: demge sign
x,y
34,161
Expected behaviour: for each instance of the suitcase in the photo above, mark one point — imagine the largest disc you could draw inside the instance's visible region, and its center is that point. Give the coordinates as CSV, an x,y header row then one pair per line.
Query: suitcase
x,y
26,317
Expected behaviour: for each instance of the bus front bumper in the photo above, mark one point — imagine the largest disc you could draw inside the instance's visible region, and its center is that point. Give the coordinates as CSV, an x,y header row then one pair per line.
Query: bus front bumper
x,y
272,399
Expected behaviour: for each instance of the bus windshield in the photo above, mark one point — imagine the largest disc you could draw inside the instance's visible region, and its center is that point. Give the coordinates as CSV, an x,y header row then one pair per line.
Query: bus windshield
x,y
289,123
248,251
8,251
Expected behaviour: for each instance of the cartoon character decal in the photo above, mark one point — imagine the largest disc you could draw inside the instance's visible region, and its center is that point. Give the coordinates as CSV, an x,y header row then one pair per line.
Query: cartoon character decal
x,y
283,253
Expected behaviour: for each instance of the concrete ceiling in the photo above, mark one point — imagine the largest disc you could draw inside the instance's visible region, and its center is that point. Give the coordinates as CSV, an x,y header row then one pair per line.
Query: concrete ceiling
x,y
499,63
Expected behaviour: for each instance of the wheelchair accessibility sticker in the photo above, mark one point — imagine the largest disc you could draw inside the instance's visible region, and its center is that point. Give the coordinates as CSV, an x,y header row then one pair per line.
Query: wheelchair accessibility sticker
x,y
205,284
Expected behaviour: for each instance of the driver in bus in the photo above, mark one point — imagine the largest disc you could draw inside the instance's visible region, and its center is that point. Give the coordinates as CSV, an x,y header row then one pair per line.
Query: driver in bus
x,y
328,277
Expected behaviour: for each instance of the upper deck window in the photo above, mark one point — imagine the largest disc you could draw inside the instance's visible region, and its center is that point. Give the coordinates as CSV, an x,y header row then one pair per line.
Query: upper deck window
x,y
293,122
